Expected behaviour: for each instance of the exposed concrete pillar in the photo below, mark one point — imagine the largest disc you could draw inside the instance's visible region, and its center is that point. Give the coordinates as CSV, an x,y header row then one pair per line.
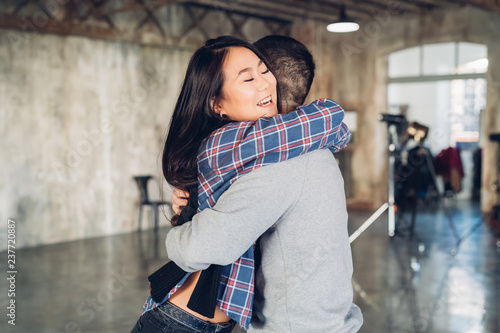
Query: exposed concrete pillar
x,y
491,120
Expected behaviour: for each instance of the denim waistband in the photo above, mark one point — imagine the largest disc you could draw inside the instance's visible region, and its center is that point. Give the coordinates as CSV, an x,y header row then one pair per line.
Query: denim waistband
x,y
173,312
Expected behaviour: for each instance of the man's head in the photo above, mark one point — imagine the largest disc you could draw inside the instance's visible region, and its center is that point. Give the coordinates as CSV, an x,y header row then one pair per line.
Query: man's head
x,y
293,66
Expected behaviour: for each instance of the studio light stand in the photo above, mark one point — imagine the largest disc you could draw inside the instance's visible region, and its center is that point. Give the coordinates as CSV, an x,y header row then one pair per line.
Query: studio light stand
x,y
394,124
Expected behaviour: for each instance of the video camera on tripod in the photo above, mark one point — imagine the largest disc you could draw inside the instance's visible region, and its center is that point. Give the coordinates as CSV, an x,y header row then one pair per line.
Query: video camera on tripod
x,y
392,119
412,175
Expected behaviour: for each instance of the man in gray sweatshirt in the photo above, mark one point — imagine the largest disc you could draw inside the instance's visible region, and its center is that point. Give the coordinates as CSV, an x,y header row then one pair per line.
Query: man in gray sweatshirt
x,y
298,209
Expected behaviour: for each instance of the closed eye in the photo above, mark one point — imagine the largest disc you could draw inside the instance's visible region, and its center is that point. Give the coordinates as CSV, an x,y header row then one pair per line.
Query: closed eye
x,y
264,72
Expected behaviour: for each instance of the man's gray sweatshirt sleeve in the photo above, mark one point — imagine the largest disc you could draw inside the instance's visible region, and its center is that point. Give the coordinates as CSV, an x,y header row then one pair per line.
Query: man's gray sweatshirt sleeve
x,y
242,214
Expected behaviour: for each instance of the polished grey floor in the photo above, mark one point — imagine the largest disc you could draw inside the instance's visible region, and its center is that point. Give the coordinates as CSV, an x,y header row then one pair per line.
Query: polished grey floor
x,y
408,283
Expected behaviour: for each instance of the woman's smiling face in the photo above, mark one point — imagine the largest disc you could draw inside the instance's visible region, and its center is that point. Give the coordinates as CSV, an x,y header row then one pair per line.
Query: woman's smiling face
x,y
249,90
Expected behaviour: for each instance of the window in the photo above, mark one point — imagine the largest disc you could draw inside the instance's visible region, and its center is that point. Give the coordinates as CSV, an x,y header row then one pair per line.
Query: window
x,y
405,63
472,58
438,59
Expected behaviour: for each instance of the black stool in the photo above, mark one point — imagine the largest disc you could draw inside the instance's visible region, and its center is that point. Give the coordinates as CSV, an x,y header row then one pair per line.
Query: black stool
x,y
142,184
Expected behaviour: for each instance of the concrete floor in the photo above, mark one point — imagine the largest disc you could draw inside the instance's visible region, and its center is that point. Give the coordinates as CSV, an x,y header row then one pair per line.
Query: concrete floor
x,y
402,284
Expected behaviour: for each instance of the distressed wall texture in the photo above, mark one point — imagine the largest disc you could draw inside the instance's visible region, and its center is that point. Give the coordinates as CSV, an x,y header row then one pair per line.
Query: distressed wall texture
x,y
352,69
79,118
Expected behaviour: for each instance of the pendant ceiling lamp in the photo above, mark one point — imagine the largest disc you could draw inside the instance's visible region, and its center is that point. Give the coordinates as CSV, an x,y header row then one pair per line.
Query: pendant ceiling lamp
x,y
343,24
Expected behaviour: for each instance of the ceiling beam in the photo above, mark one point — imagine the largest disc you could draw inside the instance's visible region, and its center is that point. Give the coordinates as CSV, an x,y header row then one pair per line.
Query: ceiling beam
x,y
195,22
134,6
363,9
332,10
265,9
360,10
150,17
20,5
280,17
427,4
65,28
412,7
487,5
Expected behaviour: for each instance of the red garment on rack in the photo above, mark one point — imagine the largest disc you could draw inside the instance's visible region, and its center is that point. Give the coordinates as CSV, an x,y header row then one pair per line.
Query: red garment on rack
x,y
448,165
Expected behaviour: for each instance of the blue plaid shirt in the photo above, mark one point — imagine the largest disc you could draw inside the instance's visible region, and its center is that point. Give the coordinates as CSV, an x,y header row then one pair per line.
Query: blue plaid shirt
x,y
238,148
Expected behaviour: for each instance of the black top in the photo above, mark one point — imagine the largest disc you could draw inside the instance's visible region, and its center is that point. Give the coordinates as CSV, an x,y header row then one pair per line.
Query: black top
x,y
204,297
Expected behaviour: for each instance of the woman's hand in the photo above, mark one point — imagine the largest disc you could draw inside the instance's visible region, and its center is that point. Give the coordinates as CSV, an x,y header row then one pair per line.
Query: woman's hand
x,y
179,200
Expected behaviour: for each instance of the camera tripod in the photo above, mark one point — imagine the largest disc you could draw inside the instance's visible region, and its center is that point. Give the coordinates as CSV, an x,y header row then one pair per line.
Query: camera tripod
x,y
394,125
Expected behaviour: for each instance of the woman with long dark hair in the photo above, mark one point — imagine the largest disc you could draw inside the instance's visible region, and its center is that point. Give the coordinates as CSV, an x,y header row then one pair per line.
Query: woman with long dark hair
x,y
227,80
197,114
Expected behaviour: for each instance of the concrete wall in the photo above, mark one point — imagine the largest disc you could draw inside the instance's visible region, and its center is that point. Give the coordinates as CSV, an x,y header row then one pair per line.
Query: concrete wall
x,y
352,69
80,117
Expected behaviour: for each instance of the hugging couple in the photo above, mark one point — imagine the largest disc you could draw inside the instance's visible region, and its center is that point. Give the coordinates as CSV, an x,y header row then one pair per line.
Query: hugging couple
x,y
260,236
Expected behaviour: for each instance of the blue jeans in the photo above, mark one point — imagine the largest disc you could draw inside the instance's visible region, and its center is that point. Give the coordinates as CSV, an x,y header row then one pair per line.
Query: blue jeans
x,y
168,318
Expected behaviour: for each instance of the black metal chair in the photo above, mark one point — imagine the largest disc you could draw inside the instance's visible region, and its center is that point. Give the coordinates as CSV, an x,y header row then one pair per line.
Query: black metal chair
x,y
142,184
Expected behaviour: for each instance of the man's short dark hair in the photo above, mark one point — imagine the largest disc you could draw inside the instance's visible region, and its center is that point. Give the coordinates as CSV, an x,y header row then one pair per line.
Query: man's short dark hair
x,y
293,65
